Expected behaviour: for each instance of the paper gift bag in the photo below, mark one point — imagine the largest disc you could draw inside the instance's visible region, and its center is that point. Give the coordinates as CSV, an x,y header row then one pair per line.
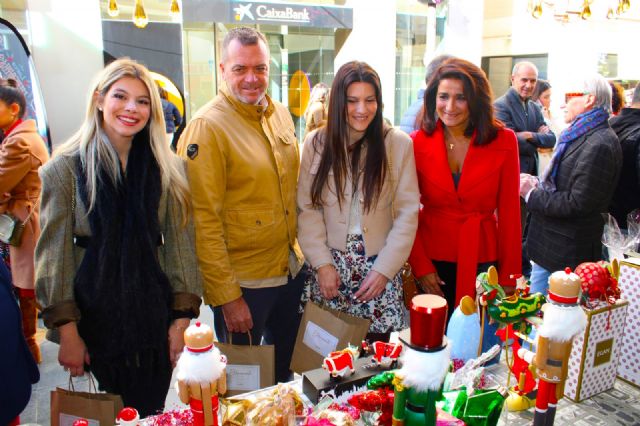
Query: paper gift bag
x,y
249,367
596,352
323,330
99,409
629,282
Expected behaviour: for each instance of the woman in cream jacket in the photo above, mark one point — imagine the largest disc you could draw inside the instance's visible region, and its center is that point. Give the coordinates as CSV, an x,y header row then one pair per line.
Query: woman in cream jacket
x,y
358,204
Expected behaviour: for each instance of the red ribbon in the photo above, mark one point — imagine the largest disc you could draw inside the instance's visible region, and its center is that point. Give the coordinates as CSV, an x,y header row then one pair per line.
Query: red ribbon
x,y
561,299
205,349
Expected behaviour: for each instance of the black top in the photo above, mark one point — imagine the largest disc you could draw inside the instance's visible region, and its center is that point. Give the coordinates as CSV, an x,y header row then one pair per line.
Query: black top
x,y
627,195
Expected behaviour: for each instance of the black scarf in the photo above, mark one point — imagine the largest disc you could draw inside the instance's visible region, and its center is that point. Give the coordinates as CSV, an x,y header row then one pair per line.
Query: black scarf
x,y
123,295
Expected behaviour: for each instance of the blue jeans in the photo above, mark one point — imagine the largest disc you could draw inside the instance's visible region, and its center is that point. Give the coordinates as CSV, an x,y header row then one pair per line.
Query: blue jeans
x,y
539,279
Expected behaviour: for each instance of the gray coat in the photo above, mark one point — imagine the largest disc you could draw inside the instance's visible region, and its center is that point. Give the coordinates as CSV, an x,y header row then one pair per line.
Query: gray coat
x,y
58,258
566,225
524,118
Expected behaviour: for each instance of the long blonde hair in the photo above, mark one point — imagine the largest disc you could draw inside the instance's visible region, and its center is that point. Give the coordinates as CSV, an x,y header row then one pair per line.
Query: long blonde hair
x,y
92,145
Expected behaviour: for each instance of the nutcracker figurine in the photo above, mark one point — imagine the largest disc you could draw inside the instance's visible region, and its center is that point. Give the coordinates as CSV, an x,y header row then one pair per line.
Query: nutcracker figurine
x,y
563,320
425,361
201,374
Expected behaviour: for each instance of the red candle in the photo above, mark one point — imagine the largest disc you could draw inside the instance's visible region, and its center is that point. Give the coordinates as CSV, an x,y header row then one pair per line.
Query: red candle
x,y
428,318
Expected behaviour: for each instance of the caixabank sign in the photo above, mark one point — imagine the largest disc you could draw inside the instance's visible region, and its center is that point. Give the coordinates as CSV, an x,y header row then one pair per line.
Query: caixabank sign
x,y
252,13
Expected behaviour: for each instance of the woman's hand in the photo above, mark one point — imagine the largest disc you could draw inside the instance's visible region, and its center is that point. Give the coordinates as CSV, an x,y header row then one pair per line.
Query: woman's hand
x,y
372,286
431,283
72,354
176,339
329,281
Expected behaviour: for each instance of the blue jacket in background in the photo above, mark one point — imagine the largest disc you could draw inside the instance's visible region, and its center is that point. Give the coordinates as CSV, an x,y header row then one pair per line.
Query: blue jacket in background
x,y
172,117
18,370
408,120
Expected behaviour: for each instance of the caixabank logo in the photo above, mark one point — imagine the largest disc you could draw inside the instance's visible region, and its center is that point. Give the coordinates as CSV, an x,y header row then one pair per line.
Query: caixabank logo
x,y
244,12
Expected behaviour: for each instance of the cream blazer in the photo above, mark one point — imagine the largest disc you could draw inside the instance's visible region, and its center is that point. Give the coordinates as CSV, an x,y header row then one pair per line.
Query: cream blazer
x,y
388,230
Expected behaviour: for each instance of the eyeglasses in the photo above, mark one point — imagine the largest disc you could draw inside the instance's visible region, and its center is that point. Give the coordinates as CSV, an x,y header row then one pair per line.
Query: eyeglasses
x,y
571,95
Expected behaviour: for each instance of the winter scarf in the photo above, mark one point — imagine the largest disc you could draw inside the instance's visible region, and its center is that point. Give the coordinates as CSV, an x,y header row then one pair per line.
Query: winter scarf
x,y
580,126
123,295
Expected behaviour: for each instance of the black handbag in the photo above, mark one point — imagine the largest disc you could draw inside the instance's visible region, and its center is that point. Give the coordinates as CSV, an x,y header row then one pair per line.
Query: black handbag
x,y
11,229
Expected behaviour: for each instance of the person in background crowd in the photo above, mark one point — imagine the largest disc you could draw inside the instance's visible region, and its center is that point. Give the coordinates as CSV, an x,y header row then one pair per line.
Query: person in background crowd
x,y
470,217
618,100
358,203
117,273
567,203
627,194
316,113
542,96
524,117
243,160
22,153
18,369
412,117
172,117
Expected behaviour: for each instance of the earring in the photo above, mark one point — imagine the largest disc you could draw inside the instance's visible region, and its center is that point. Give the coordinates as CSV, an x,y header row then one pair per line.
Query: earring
x,y
99,109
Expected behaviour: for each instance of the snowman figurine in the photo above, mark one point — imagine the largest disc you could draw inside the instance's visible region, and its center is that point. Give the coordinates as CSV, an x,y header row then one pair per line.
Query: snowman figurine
x,y
128,417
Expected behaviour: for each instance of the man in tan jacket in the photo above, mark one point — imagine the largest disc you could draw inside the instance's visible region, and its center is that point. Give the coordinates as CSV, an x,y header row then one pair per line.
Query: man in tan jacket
x,y
242,161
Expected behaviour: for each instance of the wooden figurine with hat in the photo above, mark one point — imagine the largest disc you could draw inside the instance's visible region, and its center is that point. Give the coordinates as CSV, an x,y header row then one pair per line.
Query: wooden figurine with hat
x,y
201,374
425,363
563,320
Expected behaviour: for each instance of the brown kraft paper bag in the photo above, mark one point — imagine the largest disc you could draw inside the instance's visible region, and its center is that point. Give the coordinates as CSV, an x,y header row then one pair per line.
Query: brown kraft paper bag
x,y
324,330
249,367
99,409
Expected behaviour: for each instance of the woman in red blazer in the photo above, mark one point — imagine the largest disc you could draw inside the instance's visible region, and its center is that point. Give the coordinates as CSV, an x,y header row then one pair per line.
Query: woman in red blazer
x,y
468,173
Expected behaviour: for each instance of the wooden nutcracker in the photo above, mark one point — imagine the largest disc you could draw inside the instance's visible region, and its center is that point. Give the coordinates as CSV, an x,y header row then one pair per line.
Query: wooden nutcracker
x,y
425,362
563,320
201,374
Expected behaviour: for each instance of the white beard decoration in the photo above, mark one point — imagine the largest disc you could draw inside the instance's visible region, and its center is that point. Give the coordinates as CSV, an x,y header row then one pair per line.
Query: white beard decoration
x,y
424,371
200,367
562,323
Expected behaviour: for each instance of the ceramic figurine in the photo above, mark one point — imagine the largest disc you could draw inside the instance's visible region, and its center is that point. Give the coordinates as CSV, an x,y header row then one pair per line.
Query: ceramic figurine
x,y
201,374
563,320
340,363
384,355
425,361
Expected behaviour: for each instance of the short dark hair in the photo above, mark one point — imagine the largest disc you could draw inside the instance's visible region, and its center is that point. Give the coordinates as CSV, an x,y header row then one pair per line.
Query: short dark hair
x,y
541,87
11,94
246,36
477,92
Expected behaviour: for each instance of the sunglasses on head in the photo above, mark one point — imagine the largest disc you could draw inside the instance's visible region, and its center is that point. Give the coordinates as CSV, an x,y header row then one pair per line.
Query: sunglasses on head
x,y
571,95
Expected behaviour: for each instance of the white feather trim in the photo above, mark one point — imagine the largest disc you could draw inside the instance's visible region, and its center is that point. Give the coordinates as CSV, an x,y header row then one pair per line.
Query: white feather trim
x,y
424,371
562,323
204,368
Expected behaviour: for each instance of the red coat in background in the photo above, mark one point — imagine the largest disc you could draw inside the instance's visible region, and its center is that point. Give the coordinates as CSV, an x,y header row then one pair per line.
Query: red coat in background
x,y
480,221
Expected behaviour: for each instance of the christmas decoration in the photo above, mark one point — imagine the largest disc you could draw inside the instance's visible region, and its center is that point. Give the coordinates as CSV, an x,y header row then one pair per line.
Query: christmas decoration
x,y
563,319
201,374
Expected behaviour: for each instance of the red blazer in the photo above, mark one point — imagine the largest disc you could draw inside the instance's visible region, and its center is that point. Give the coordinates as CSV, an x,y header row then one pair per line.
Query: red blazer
x,y
478,222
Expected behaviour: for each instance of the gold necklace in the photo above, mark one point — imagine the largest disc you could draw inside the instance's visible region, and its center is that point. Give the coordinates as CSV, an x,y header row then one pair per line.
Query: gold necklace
x,y
456,140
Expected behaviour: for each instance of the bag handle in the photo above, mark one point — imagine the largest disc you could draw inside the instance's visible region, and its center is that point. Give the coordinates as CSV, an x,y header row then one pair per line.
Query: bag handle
x,y
231,338
92,384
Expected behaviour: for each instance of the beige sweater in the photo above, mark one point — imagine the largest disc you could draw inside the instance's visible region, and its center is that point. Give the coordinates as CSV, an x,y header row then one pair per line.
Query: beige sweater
x,y
388,230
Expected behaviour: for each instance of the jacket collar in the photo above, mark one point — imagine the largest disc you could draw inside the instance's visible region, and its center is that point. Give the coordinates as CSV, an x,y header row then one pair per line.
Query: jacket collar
x,y
24,126
252,112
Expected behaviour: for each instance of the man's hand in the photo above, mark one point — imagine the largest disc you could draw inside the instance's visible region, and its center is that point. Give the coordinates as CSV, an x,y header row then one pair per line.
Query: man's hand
x,y
544,129
431,283
528,136
329,281
72,354
527,183
372,286
237,316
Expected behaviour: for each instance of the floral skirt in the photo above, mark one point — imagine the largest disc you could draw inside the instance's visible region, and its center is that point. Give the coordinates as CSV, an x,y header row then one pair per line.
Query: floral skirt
x,y
386,311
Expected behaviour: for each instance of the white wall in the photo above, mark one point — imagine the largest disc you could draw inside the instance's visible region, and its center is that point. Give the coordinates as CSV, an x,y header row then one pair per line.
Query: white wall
x,y
463,31
66,42
373,40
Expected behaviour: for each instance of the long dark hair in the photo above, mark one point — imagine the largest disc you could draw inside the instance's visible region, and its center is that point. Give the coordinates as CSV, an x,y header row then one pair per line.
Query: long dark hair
x,y
477,92
335,134
541,87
